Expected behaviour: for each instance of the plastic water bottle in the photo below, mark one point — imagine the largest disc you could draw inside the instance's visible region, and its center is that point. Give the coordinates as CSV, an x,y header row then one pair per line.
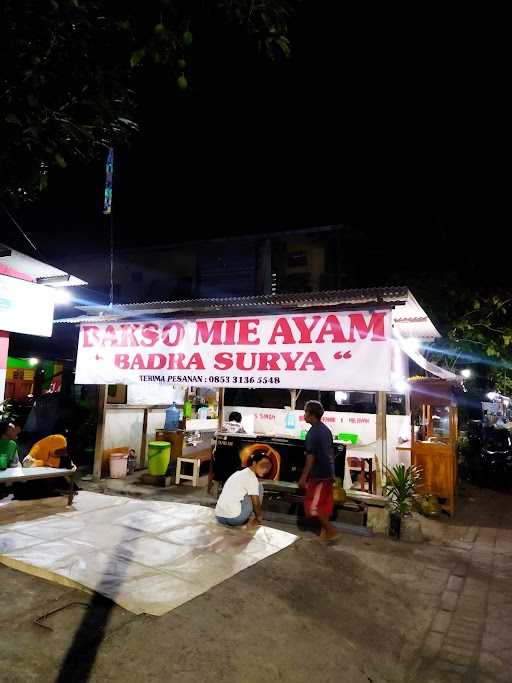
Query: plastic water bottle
x,y
172,418
290,422
187,409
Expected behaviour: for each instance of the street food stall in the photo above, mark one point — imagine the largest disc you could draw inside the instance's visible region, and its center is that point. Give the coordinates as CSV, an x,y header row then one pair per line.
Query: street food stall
x,y
434,437
334,344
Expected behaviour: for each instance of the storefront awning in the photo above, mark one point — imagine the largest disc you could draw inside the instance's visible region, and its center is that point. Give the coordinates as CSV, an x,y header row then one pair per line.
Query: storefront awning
x,y
408,315
323,340
19,265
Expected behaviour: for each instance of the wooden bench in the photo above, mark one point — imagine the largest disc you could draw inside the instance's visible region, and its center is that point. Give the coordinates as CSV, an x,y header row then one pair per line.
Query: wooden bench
x,y
280,486
195,461
16,474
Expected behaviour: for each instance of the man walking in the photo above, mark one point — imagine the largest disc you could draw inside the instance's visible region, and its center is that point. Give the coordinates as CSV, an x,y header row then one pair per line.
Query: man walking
x,y
318,474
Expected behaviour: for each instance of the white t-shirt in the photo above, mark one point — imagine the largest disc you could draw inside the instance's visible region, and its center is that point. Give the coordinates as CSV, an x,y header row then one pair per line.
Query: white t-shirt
x,y
233,427
240,484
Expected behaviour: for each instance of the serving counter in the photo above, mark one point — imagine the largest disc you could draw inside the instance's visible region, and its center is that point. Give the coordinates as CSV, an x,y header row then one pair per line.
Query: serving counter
x,y
285,453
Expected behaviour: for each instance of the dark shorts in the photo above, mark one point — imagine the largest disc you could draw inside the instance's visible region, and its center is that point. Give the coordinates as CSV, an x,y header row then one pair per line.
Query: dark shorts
x,y
318,498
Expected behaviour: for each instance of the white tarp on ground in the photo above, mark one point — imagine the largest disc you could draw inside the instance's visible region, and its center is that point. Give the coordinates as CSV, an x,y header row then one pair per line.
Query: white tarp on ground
x,y
147,556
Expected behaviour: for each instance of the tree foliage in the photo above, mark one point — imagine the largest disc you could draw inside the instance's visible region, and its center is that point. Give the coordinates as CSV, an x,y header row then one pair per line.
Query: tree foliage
x,y
484,331
485,327
66,90
68,71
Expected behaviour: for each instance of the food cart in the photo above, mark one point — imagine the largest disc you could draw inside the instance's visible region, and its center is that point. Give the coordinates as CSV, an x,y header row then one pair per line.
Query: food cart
x,y
341,342
434,437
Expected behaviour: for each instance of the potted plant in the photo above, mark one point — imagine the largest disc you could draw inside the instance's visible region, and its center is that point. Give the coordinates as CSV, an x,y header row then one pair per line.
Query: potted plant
x,y
400,487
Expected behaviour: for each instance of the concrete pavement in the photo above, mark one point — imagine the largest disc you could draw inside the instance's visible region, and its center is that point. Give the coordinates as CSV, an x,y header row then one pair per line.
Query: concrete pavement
x,y
363,610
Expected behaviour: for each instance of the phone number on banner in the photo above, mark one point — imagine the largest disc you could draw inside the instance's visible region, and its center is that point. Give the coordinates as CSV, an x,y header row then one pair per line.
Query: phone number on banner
x,y
241,379
210,379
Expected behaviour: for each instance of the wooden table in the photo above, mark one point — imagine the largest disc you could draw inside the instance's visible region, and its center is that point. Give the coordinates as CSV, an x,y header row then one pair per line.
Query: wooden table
x,y
16,474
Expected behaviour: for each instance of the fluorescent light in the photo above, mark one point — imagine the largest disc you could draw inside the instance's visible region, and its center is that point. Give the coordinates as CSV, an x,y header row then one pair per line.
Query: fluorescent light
x,y
62,295
412,343
33,361
340,396
466,373
400,386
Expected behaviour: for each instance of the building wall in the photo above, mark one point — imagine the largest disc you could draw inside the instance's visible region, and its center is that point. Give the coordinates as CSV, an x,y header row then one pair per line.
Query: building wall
x,y
241,266
147,275
305,262
233,268
304,265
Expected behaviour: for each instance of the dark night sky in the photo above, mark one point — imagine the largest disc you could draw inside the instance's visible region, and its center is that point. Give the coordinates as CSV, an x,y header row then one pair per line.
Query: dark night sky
x,y
381,121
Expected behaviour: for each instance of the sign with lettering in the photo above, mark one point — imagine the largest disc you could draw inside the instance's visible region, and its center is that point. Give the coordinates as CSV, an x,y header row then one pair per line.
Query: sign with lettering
x,y
276,422
327,351
25,307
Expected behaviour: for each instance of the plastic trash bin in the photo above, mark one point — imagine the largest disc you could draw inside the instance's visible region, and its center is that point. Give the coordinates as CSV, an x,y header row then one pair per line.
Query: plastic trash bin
x,y
159,456
118,465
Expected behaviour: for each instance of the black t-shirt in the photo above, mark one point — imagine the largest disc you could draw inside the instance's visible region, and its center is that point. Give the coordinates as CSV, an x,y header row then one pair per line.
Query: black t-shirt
x,y
319,443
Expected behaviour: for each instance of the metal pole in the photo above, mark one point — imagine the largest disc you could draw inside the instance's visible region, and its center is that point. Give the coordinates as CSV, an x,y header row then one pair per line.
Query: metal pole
x,y
293,398
100,432
144,440
381,432
221,409
111,293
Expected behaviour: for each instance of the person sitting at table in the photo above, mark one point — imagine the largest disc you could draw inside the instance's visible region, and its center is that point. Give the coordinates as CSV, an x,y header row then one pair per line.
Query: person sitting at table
x,y
242,494
9,432
48,452
52,451
217,474
234,424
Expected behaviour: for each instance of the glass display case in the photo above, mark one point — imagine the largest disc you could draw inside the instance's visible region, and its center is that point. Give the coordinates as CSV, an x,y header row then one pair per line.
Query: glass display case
x,y
434,439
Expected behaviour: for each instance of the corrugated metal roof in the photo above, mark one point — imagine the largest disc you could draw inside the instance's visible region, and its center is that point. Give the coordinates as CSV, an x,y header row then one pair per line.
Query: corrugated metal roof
x,y
372,296
409,317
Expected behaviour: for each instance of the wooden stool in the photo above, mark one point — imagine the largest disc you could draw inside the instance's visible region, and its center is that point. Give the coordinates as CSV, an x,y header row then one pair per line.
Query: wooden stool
x,y
196,466
365,476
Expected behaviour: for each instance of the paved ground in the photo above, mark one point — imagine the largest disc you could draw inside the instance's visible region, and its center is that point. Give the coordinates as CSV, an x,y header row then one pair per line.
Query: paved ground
x,y
364,610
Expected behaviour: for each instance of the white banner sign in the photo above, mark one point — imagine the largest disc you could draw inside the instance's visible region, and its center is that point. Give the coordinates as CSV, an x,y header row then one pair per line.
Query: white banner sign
x,y
347,350
279,422
25,307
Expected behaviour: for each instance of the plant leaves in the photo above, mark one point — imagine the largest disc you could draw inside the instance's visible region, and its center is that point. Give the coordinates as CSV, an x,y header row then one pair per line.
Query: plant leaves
x,y
137,56
60,160
12,118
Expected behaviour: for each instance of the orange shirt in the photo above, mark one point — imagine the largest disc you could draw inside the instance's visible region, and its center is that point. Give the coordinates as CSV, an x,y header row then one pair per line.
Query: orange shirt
x,y
43,452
